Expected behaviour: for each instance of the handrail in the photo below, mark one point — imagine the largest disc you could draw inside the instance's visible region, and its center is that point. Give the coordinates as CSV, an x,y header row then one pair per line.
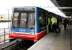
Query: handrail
x,y
4,35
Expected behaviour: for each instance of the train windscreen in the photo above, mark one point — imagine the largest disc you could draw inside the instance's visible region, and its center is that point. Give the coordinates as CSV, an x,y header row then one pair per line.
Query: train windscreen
x,y
27,20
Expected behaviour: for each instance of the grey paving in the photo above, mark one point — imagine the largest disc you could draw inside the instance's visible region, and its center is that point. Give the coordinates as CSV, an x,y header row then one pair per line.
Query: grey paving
x,y
55,41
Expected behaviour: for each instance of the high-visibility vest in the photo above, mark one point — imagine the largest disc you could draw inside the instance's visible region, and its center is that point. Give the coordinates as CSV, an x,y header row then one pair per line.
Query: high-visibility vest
x,y
54,20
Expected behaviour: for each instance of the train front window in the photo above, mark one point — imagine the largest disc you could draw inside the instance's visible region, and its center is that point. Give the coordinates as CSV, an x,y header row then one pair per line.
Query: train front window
x,y
23,20
31,20
15,19
26,20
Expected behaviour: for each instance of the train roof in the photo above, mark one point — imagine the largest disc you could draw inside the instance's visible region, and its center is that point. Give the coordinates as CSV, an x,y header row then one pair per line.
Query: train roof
x,y
24,9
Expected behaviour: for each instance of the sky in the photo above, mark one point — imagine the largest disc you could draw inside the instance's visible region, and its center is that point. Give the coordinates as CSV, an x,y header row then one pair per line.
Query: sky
x,y
7,6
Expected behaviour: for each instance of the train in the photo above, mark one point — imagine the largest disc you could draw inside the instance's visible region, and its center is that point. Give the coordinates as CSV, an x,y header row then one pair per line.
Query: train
x,y
29,23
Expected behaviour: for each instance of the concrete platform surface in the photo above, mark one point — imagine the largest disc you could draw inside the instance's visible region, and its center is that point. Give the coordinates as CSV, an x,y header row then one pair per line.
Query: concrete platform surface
x,y
54,41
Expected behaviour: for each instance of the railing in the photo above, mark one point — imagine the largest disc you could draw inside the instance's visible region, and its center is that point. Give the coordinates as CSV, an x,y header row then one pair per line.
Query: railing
x,y
5,20
4,34
5,37
9,46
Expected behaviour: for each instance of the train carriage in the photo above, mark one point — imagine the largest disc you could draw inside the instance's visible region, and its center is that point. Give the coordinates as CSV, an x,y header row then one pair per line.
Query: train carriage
x,y
29,23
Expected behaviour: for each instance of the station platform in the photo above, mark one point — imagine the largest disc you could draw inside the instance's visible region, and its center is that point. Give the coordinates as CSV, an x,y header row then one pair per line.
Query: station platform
x,y
55,41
